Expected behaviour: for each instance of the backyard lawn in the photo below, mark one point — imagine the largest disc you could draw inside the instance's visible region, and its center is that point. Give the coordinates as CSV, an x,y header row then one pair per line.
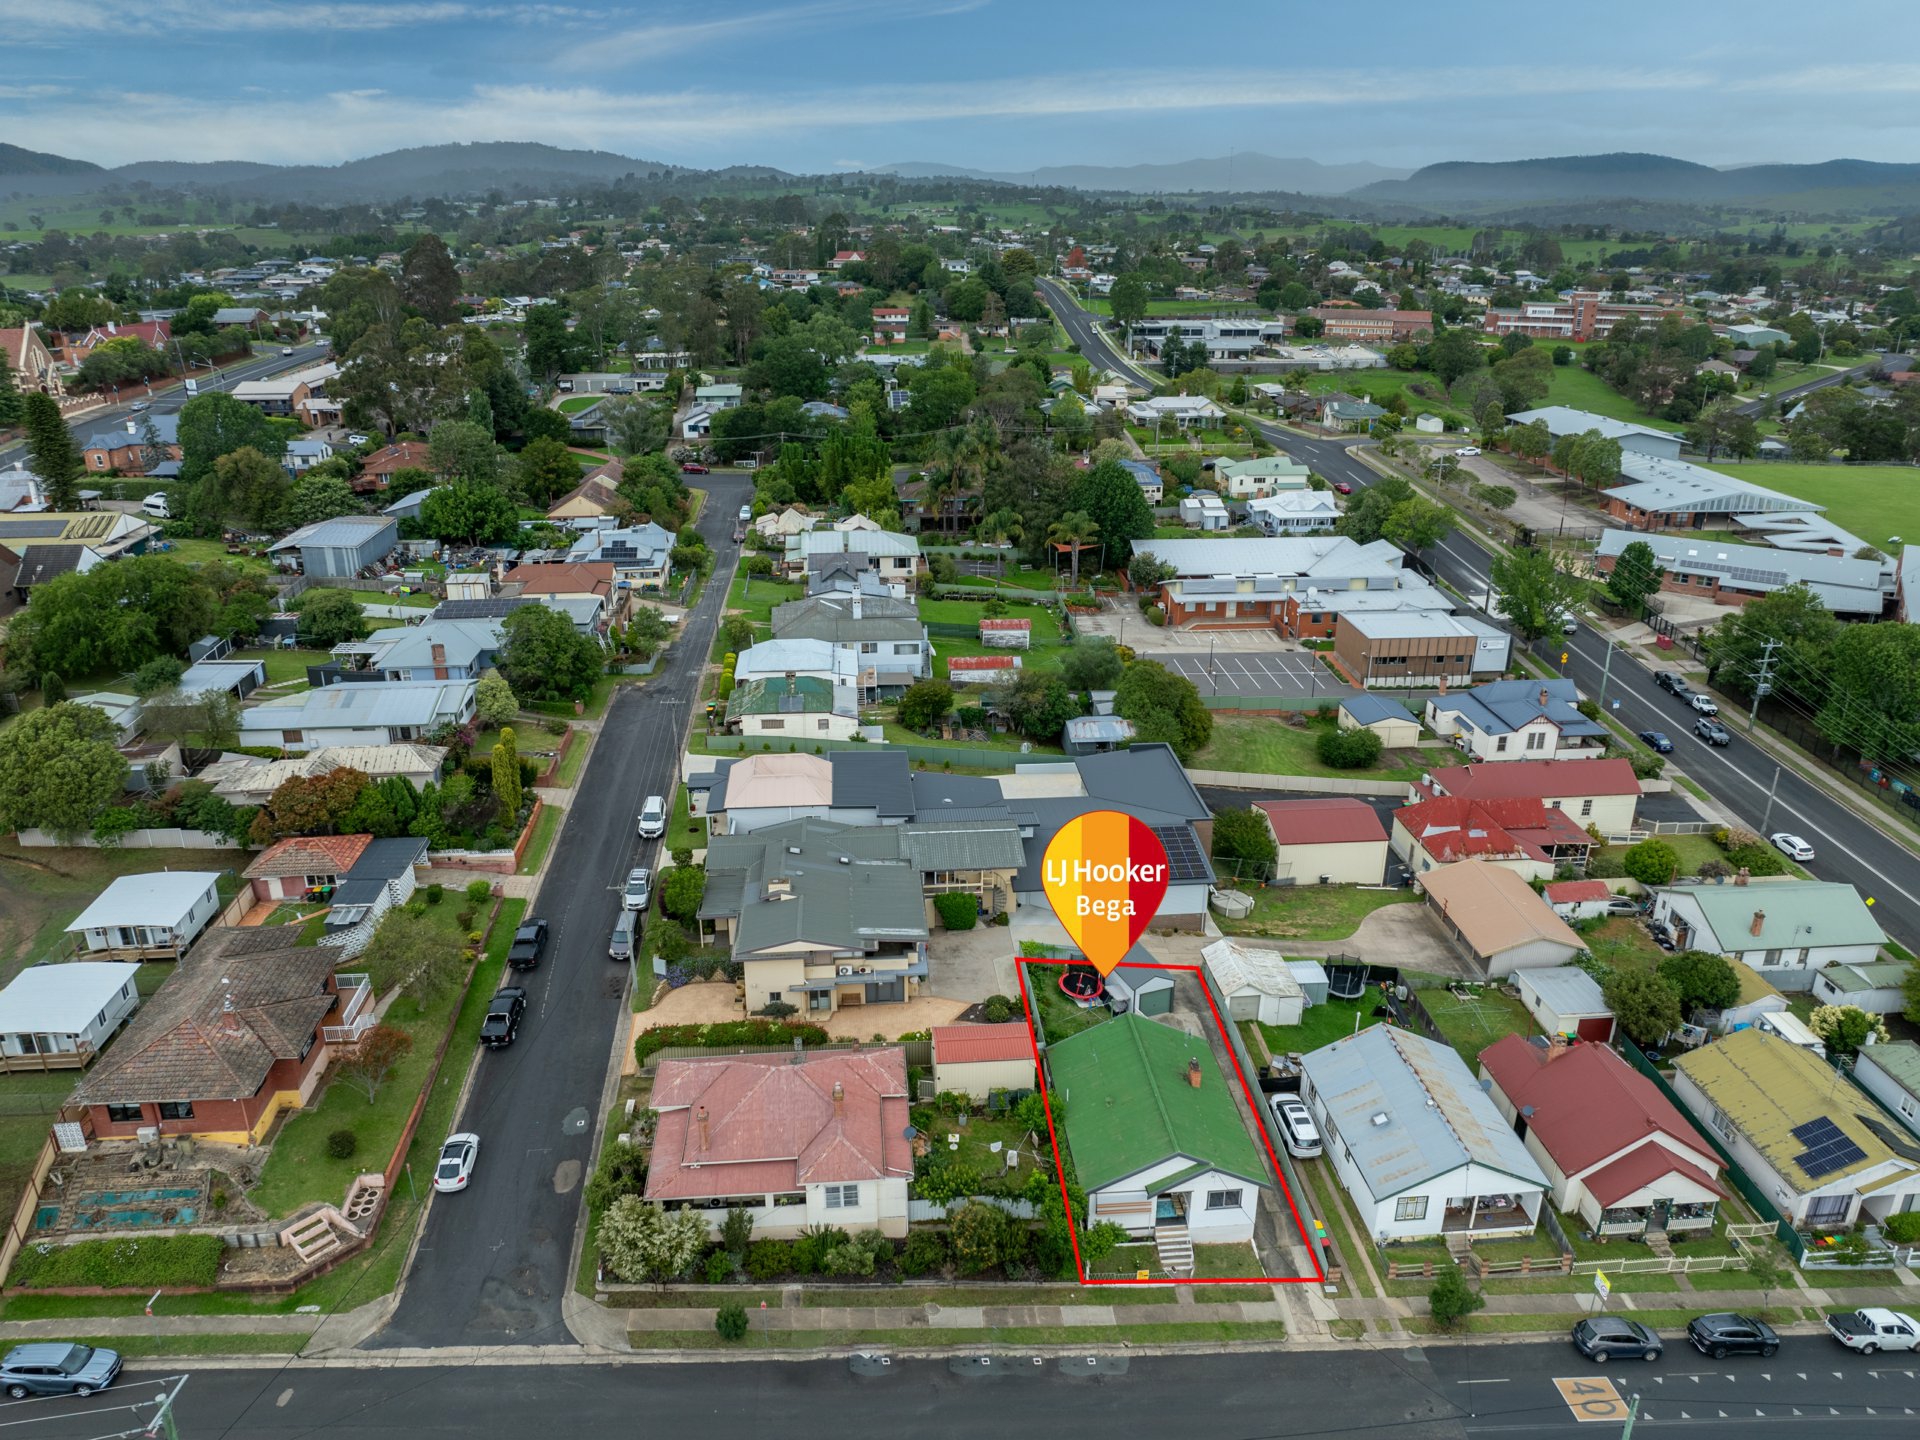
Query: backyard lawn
x,y
199,552
1046,626
945,647
1059,1017
1472,1024
286,667
44,889
976,1151
1321,1025
1274,747
1311,912
1621,940
1875,502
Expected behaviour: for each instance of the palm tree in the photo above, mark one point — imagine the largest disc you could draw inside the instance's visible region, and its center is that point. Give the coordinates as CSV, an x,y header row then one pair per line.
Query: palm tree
x,y
960,460
1074,529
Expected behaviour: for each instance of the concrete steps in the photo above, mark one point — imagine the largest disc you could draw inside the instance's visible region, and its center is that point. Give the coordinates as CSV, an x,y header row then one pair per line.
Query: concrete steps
x,y
1176,1249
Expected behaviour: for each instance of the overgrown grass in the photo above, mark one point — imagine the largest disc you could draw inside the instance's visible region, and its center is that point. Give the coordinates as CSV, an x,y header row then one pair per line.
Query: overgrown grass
x,y
1268,746
1472,1025
1310,912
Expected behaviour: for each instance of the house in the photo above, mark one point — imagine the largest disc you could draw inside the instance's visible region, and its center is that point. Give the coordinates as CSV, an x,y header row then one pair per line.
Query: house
x,y
251,780
21,489
1812,1143
76,346
304,867
377,470
1371,327
641,555
1386,718
59,1017
1730,574
1578,899
104,534
818,915
595,501
156,916
1156,1138
230,1040
1565,1000
1147,476
1254,982
1294,512
380,878
125,450
1326,840
37,565
1752,337
302,455
1401,649
1619,1155
978,1060
431,650
1517,720
1523,835
383,714
715,398
1417,1143
779,524
125,712
1350,415
1261,476
561,580
890,323
342,547
797,707
1602,793
1890,1073
797,1141
1495,917
1785,929
1249,583
894,559
1184,412
769,789
886,636
772,659
290,394
1876,989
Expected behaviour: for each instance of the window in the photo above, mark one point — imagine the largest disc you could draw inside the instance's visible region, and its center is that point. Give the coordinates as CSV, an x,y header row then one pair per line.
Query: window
x,y
124,1114
869,647
1723,1123
1500,744
821,724
773,724
842,1197
1410,1207
176,1110
1537,740
1586,808
1909,1107
820,1000
1828,1210
1223,1199
907,648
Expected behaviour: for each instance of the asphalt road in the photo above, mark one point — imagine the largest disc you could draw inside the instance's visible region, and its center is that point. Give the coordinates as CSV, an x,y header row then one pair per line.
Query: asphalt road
x,y
115,417
1443,1392
492,1265
1739,776
1769,404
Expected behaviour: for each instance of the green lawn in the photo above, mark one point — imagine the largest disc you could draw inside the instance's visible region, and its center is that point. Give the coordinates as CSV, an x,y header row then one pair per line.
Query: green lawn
x,y
1321,1025
1215,1262
945,647
977,1139
900,735
1622,941
197,552
1583,390
574,404
575,760
544,830
1272,746
1310,912
683,831
1380,386
286,667
1045,626
1875,502
1324,1202
1059,1017
42,890
1472,1025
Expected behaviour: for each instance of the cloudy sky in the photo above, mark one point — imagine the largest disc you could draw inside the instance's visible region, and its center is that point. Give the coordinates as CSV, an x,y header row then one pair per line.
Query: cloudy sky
x,y
813,85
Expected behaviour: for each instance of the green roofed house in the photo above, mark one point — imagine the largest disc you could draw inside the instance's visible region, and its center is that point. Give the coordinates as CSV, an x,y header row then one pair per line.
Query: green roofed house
x,y
1155,1136
1891,1074
1787,930
788,707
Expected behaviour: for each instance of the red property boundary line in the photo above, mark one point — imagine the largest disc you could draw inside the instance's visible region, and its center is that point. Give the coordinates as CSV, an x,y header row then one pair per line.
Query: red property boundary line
x,y
1020,964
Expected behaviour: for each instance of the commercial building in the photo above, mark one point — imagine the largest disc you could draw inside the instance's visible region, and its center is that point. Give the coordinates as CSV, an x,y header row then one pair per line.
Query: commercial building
x,y
1418,650
1732,574
1579,315
1372,327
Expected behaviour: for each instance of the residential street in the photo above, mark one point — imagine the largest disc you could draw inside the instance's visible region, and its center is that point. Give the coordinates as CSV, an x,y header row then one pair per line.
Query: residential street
x,y
493,1262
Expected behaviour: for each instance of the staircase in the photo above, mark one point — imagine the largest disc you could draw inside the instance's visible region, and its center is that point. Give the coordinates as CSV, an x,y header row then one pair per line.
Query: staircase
x,y
1175,1247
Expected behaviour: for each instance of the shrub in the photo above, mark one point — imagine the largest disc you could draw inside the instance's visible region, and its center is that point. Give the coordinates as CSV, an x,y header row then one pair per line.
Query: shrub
x,y
730,1033
1348,749
926,1252
151,1262
342,1143
850,1258
622,1171
1757,858
436,892
769,1259
479,892
730,1321
1451,1299
1904,1228
811,1249
719,1268
998,1009
957,911
736,1232
1651,862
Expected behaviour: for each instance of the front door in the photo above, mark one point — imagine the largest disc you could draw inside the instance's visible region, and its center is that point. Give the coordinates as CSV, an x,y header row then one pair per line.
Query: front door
x,y
1169,1209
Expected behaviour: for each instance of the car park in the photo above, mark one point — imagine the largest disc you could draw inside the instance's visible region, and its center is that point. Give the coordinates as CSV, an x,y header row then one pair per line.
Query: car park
x,y
1791,845
1712,731
57,1368
1726,1334
455,1168
639,889
529,943
653,818
1297,1129
1705,704
502,1024
1610,1337
1657,740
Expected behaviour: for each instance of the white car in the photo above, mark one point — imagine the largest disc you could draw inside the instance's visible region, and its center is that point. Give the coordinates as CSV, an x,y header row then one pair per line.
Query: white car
x,y
356,439
140,405
1296,1126
639,888
1791,846
1466,450
1705,704
286,350
653,818
456,1162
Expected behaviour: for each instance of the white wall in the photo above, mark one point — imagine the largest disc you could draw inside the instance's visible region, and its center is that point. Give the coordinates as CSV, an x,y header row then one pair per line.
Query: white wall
x,y
1888,1091
1360,862
1533,955
1785,969
882,1207
979,1078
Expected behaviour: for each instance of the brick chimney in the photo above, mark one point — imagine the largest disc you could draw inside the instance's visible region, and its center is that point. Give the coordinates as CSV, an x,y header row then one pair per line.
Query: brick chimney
x,y
1543,697
1193,1073
700,1123
1759,922
1742,875
440,662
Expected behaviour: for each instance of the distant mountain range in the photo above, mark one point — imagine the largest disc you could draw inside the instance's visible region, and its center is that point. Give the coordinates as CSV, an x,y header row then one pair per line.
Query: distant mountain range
x,y
1458,184
1246,171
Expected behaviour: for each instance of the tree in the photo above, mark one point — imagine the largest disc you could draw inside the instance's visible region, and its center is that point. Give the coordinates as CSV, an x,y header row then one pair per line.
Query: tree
x,y
635,425
494,702
550,345
52,452
1636,574
1531,593
1450,1299
682,890
1355,749
1072,531
469,514
163,672
1417,523
1127,301
12,403
544,658
925,703
329,618
1910,990
737,632
1872,702
1092,662
371,1063
1643,1003
642,1243
1702,980
462,450
547,471
1110,497
318,497
246,484
505,767
59,769
1723,426
979,1233
1651,862
1846,1028
428,280
1038,703
1244,844
730,1319
1792,616
1164,707
1453,354
216,424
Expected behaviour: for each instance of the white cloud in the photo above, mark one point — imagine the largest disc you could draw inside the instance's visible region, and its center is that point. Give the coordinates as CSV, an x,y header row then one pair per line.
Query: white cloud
x,y
659,38
63,21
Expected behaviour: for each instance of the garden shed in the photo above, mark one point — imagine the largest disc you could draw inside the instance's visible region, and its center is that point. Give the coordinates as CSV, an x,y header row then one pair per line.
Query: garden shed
x,y
1142,988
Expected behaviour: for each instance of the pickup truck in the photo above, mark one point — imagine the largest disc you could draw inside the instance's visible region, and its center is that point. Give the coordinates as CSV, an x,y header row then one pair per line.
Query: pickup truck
x,y
1874,1329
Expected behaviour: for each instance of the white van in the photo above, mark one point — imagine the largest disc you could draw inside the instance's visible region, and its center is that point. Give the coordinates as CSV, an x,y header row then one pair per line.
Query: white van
x,y
620,947
156,505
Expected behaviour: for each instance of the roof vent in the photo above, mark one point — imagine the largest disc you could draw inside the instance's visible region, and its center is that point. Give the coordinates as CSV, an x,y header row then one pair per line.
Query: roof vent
x,y
793,849
1379,1117
844,860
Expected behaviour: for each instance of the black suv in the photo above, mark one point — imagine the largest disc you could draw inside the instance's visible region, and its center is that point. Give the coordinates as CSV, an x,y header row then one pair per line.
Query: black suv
x,y
1724,1335
529,943
497,1031
1607,1337
1667,680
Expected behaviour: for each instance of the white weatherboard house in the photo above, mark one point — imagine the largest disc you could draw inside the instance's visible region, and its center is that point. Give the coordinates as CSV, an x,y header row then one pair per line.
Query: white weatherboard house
x,y
1416,1141
56,1017
149,917
1891,1074
1787,930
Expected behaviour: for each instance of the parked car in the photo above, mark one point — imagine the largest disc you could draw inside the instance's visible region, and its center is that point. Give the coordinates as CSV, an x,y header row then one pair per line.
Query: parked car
x,y
1791,846
1667,680
357,439
286,349
157,505
502,1024
1343,487
693,467
1723,1335
529,943
746,513
1605,1337
1705,704
57,1368
653,818
456,1162
1712,731
1302,1136
1657,740
1867,1330
1623,905
639,888
140,405
1465,451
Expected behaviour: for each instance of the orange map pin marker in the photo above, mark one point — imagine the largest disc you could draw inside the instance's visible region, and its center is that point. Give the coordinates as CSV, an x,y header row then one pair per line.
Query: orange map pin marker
x,y
1105,874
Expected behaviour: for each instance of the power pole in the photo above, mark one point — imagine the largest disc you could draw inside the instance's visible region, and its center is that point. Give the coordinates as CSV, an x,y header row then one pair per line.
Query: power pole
x,y
1633,1413
1762,673
1767,818
163,1422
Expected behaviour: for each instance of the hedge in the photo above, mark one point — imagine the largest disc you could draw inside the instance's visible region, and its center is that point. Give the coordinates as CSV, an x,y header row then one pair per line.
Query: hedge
x,y
160,1261
722,1033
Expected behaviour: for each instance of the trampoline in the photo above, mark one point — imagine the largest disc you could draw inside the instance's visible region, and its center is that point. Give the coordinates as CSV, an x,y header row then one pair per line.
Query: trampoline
x,y
1346,982
1082,984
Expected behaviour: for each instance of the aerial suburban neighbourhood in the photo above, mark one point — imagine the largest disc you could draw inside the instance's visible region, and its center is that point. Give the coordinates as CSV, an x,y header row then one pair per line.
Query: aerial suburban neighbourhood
x,y
543,695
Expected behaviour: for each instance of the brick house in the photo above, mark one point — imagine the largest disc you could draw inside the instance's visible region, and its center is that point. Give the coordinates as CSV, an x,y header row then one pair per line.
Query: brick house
x,y
299,867
377,469
31,361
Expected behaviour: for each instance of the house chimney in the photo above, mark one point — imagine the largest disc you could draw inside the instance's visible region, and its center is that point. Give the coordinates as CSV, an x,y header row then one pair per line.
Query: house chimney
x,y
1759,922
700,1120
1193,1073
1543,697
839,1100
856,604
440,662
1742,875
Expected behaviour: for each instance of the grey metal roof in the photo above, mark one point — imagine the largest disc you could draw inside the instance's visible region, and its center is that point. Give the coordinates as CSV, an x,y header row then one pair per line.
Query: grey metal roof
x,y
1098,730
461,641
1045,817
850,886
1678,486
392,702
1326,556
963,845
1371,709
1566,990
878,780
831,617
1145,776
1841,581
1409,1111
349,530
1501,707
388,859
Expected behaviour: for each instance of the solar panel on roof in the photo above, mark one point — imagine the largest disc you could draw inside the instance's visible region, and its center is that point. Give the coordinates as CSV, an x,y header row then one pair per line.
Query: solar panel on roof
x,y
1828,1148
1183,851
31,529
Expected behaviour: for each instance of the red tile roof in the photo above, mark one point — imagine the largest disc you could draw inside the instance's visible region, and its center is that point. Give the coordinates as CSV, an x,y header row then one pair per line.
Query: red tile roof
x,y
1454,828
579,577
308,855
1589,1104
1572,892
1338,820
1537,779
968,1044
407,455
773,1126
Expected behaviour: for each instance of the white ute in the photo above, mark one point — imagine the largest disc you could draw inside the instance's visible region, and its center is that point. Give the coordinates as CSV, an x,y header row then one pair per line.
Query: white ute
x,y
1874,1329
